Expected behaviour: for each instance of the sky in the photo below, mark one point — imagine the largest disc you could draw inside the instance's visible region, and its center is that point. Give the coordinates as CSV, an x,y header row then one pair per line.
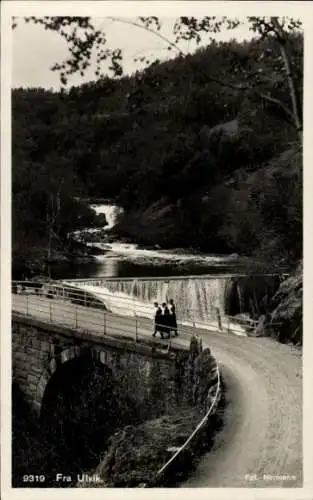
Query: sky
x,y
35,50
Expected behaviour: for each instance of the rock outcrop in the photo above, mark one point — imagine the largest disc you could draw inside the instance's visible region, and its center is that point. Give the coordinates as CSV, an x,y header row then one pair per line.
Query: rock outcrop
x,y
284,319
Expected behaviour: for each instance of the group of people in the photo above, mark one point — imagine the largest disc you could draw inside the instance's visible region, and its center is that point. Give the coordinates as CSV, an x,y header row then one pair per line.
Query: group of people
x,y
165,320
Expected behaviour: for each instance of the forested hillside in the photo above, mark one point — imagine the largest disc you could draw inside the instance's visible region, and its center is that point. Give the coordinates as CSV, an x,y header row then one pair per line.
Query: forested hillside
x,y
193,162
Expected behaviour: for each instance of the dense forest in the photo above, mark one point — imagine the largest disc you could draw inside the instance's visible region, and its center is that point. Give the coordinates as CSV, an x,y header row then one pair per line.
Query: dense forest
x,y
194,163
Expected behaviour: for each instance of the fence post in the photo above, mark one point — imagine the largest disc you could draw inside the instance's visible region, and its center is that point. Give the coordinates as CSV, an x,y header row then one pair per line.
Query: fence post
x,y
136,327
50,311
219,320
169,344
76,317
104,323
27,309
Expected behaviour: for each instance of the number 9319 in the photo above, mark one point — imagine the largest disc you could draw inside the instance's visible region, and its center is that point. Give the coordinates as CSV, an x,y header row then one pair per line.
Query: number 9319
x,y
30,478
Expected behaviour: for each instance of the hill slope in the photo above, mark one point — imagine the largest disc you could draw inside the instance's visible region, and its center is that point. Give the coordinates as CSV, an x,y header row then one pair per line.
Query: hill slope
x,y
181,153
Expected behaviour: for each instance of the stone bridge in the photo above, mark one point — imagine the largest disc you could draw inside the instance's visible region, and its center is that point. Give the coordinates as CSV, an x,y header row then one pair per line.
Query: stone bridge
x,y
39,350
81,372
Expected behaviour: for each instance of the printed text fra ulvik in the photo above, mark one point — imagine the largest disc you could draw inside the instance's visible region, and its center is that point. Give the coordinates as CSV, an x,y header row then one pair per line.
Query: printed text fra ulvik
x,y
80,478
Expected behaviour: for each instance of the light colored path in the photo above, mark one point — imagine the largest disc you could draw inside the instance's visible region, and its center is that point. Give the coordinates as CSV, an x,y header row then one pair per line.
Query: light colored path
x,y
262,432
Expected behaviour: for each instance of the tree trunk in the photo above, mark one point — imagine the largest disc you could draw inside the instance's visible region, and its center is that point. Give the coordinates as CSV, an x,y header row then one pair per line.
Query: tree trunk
x,y
292,88
293,94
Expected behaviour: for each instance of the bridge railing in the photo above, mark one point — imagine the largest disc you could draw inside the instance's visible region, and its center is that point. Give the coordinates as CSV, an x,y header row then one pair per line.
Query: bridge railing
x,y
120,305
80,310
214,320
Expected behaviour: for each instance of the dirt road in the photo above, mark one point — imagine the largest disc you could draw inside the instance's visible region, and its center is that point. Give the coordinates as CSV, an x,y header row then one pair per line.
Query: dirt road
x,y
260,444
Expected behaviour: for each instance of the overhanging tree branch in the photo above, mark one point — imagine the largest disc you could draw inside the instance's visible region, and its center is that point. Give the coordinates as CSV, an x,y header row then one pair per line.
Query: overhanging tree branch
x,y
150,30
277,102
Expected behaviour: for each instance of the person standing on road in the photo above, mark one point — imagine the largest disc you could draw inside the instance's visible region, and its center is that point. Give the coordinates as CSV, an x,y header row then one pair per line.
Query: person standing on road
x,y
166,319
157,320
173,319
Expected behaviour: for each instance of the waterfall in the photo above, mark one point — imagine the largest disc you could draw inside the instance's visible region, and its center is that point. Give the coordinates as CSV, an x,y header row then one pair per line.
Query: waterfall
x,y
196,299
110,211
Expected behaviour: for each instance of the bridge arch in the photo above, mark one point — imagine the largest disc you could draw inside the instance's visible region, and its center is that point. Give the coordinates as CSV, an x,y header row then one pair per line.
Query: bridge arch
x,y
80,407
65,355
40,350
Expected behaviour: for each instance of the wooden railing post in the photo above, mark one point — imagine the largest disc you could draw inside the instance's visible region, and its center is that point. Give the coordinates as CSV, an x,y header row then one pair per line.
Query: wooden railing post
x,y
219,319
104,323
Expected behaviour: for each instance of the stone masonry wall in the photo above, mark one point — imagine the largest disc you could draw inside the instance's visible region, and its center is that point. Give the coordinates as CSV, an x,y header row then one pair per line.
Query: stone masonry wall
x,y
38,349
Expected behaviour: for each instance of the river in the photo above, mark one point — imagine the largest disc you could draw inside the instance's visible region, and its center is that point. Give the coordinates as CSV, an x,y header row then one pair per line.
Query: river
x,y
198,283
123,260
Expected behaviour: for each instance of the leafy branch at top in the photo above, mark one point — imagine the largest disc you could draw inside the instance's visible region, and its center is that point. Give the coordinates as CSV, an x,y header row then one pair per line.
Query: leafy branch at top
x,y
84,40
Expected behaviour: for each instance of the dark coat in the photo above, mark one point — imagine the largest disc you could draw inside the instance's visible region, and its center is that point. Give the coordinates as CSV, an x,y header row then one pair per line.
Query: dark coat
x,y
173,320
158,318
166,320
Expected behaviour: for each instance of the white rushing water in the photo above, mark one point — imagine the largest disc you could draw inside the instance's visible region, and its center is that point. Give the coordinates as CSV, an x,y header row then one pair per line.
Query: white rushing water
x,y
136,298
131,252
110,211
196,299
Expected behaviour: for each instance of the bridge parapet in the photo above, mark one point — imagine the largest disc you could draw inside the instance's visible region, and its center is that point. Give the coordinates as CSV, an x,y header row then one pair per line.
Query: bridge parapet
x,y
84,311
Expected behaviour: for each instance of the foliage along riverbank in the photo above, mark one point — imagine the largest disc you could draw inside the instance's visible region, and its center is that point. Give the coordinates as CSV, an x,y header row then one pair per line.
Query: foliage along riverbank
x,y
37,252
258,214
